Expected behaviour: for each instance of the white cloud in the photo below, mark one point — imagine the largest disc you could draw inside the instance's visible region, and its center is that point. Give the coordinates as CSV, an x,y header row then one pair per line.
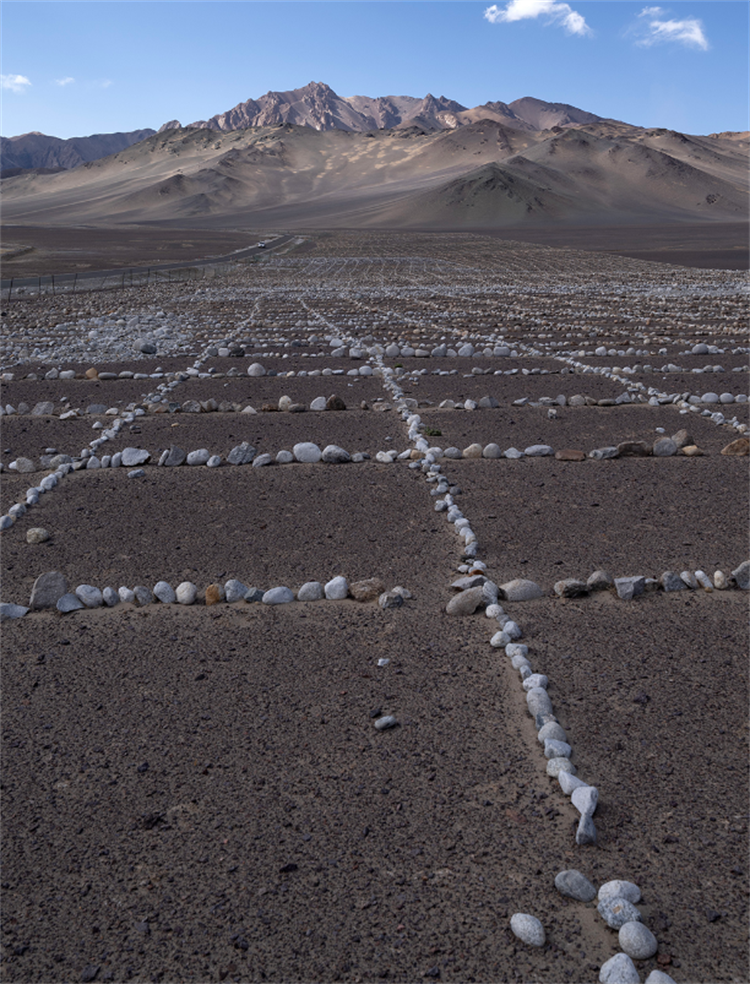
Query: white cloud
x,y
63,82
16,83
658,30
104,83
552,10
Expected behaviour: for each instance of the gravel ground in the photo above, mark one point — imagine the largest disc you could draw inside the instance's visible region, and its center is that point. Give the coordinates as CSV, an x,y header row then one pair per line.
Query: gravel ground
x,y
198,793
574,427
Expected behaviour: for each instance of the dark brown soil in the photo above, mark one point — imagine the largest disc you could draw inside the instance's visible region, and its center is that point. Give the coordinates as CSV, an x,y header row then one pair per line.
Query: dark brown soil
x,y
585,428
721,245
56,251
506,389
198,793
549,520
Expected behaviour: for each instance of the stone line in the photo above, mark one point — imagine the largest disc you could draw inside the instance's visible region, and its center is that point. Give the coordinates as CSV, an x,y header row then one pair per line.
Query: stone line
x,y
476,589
50,590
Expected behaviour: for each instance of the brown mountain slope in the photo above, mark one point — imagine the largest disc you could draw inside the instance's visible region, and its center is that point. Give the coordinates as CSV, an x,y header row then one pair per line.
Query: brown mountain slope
x,y
481,175
31,150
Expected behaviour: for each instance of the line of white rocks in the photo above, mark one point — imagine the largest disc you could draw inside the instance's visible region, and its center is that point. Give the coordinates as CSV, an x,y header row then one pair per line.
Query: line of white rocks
x,y
305,452
50,590
616,904
684,401
632,586
616,898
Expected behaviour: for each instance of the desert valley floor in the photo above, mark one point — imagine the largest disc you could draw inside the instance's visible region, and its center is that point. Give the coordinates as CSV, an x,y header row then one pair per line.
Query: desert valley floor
x,y
199,792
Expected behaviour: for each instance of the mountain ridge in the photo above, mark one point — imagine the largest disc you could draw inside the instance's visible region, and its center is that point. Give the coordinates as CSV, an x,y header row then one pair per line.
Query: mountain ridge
x,y
483,174
315,105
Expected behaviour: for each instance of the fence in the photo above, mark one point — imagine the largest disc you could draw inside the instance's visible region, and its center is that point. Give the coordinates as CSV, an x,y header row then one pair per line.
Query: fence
x,y
53,284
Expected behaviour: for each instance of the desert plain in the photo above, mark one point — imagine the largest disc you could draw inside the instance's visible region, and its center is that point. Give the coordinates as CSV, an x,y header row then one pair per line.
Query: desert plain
x,y
198,792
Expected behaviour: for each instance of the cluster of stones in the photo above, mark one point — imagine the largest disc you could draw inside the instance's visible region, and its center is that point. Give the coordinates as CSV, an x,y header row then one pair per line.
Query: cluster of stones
x,y
616,904
243,454
632,586
476,591
50,590
540,289
685,401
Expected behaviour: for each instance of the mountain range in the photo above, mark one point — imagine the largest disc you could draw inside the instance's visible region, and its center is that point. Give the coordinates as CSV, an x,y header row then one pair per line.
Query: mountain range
x,y
439,166
315,105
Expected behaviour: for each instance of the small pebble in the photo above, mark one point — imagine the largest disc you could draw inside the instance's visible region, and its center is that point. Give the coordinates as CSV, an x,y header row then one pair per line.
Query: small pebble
x,y
584,799
278,596
528,929
637,941
311,591
620,889
186,593
619,969
557,765
165,593
586,832
383,723
617,911
575,885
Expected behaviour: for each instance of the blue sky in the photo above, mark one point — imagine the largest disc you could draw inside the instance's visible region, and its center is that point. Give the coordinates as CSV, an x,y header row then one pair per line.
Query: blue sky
x,y
94,66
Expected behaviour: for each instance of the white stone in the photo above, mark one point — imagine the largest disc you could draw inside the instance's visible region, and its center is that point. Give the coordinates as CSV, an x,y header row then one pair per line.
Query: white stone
x,y
311,591
110,597
569,782
619,969
89,595
334,455
307,452
535,680
278,596
637,940
132,457
538,451
199,457
165,593
617,889
584,799
186,593
520,589
528,929
337,588
557,765
556,749
234,590
127,597
659,977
